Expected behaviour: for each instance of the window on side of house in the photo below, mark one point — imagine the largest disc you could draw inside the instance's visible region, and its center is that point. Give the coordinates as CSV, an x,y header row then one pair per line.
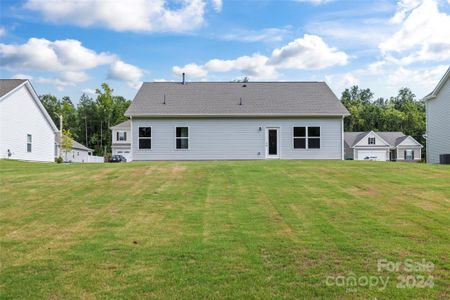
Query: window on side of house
x,y
299,136
313,137
182,138
409,154
371,141
121,135
29,142
145,138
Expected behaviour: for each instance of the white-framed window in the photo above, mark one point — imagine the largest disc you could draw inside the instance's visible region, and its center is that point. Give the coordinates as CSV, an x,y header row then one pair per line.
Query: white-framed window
x,y
371,141
314,137
145,138
182,138
121,135
29,142
409,154
299,135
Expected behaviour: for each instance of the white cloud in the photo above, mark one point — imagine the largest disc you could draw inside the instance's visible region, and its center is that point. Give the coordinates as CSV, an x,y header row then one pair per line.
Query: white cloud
x,y
403,8
68,59
308,53
217,4
315,2
60,84
45,55
386,79
193,70
2,31
22,76
358,33
88,91
423,36
255,66
130,15
339,82
263,35
417,78
74,76
126,72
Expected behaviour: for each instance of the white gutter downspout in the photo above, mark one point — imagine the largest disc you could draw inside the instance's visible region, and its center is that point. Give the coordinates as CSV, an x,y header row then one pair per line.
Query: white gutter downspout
x,y
342,139
131,136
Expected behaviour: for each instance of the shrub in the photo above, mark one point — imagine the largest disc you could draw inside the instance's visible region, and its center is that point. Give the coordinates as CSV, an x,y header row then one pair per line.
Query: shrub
x,y
59,160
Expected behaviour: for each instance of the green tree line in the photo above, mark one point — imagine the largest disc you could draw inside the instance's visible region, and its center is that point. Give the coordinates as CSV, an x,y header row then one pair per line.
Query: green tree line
x,y
89,121
403,112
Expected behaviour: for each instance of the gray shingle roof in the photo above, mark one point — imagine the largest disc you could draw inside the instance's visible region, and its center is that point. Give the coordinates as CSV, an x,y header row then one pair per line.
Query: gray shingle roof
x,y
393,138
7,85
352,138
75,144
124,125
224,98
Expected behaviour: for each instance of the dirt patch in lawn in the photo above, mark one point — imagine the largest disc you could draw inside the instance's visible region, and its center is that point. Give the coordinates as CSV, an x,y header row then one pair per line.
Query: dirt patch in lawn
x,y
366,191
168,169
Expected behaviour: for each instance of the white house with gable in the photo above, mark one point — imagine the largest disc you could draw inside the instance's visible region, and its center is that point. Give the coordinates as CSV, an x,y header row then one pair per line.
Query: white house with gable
x,y
27,132
382,146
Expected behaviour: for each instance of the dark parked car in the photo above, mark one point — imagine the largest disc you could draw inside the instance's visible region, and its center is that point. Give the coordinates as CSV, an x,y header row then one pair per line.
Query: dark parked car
x,y
118,159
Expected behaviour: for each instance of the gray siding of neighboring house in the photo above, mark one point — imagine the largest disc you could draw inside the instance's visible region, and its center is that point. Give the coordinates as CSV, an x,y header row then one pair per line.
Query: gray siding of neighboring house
x,y
234,138
438,124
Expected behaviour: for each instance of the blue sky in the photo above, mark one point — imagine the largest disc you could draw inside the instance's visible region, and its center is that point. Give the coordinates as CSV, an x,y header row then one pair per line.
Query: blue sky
x,y
71,47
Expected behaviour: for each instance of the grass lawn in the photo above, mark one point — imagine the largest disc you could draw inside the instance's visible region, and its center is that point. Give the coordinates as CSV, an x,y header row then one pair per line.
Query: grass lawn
x,y
252,229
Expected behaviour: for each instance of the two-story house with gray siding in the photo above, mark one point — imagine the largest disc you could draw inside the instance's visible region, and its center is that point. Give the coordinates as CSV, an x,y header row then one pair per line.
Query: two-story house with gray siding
x,y
121,140
438,120
236,120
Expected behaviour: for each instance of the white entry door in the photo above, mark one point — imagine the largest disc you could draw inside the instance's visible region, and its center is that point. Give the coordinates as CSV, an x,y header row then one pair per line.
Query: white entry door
x,y
272,142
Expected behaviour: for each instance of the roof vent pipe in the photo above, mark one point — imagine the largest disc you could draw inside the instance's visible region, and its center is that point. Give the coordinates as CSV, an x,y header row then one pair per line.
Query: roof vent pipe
x,y
240,101
164,99
184,78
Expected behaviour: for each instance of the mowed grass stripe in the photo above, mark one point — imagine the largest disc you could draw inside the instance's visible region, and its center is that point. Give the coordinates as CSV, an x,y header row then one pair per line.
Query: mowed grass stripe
x,y
250,229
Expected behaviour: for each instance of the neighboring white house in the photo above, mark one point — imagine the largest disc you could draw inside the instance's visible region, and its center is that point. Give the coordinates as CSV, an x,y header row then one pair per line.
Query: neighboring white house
x,y
438,120
26,130
381,146
236,120
121,140
79,152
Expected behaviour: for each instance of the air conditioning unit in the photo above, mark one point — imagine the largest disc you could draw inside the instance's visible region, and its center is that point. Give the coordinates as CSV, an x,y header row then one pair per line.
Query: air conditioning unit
x,y
444,159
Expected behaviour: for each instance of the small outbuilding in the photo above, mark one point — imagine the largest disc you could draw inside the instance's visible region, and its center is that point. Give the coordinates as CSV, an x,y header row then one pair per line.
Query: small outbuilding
x,y
78,154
